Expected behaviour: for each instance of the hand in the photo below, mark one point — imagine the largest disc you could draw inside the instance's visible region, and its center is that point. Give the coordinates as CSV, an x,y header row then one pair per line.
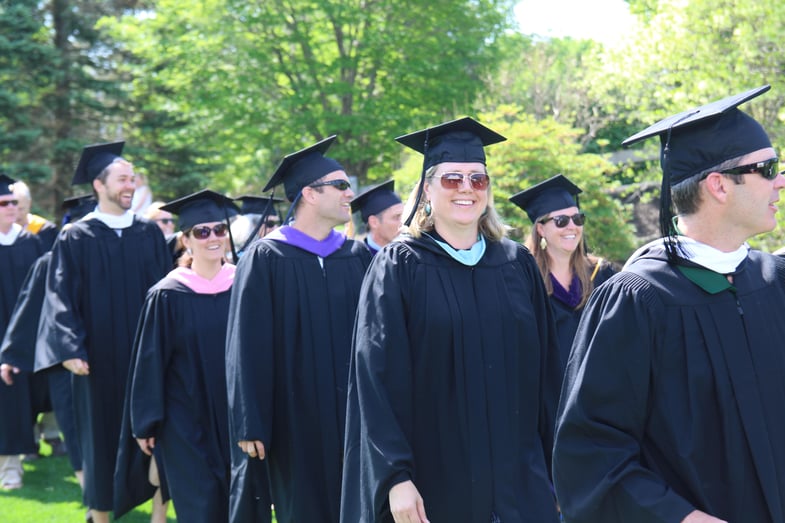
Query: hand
x,y
6,372
77,366
146,444
696,516
252,448
406,504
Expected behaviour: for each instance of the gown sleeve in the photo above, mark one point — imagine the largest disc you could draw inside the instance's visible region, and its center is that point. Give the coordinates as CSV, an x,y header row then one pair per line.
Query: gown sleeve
x,y
597,464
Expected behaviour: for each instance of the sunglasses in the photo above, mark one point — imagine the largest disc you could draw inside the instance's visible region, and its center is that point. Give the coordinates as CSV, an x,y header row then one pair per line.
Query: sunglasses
x,y
561,220
6,203
341,185
165,221
768,169
202,233
478,181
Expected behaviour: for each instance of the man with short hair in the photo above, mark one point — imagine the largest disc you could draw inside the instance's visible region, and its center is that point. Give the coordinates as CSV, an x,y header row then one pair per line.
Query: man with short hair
x,y
381,210
100,270
671,408
288,345
32,223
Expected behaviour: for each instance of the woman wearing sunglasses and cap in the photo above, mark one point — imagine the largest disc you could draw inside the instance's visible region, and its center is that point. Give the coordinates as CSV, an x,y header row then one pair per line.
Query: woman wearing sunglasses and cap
x,y
557,243
454,377
176,403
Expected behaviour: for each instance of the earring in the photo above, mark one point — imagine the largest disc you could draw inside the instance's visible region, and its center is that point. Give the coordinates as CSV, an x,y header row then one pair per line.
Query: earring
x,y
428,209
188,251
543,243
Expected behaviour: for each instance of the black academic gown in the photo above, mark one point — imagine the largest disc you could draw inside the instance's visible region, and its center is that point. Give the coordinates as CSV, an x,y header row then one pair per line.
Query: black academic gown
x,y
177,394
454,386
96,284
18,349
288,345
16,407
673,398
567,317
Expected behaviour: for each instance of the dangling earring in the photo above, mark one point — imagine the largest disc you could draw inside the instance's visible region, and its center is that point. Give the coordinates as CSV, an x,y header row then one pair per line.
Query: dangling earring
x,y
427,208
188,251
543,243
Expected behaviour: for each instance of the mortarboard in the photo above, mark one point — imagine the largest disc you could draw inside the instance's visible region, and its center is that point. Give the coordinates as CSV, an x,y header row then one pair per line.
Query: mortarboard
x,y
461,140
94,159
553,194
375,200
696,140
265,205
77,207
201,207
302,168
6,183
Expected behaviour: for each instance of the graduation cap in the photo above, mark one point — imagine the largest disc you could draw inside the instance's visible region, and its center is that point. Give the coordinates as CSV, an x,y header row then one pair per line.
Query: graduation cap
x,y
250,204
553,194
6,183
375,200
299,169
94,159
76,207
461,141
696,140
201,207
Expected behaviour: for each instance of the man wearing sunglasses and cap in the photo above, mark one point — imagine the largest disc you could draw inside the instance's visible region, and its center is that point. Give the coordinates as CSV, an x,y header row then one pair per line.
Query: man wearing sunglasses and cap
x,y
100,270
671,408
288,343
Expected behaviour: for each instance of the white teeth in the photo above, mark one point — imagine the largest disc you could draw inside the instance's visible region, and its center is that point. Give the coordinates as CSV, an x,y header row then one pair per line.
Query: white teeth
x,y
463,202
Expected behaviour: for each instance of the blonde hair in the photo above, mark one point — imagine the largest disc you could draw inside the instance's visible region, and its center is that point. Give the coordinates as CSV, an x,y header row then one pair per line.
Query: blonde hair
x,y
152,210
581,264
490,224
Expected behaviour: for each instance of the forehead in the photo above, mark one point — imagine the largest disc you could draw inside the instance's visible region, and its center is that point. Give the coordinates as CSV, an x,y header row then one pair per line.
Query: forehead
x,y
460,167
335,175
760,155
7,197
566,210
120,168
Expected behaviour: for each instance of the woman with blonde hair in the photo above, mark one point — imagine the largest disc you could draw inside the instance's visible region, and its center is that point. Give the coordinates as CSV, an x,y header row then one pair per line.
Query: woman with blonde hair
x,y
557,243
453,386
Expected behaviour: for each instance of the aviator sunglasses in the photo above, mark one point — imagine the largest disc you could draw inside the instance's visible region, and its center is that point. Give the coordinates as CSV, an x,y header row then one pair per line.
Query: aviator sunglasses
x,y
202,233
561,220
6,203
478,181
769,169
341,185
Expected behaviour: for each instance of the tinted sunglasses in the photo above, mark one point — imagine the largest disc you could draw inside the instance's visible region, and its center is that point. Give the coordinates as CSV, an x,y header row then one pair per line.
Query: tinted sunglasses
x,y
202,233
478,181
6,203
341,185
561,220
165,221
769,169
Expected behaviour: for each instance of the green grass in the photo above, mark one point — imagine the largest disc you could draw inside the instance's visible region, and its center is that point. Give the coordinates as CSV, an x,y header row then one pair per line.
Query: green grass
x,y
51,494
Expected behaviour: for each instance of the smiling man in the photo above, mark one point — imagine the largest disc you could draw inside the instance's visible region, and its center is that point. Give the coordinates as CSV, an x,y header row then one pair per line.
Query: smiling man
x,y
288,344
671,410
100,270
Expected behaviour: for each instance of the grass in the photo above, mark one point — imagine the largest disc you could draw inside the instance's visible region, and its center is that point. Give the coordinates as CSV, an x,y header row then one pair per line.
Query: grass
x,y
51,494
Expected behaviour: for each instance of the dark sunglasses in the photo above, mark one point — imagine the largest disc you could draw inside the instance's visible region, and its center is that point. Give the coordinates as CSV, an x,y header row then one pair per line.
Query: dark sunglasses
x,y
341,185
478,181
165,221
768,169
202,233
6,203
561,220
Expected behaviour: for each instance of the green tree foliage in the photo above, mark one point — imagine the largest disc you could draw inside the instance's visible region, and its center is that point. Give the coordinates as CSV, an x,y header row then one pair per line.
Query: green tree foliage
x,y
256,80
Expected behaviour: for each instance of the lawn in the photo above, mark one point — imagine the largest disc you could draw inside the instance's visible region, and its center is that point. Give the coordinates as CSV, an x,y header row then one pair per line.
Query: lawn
x,y
51,494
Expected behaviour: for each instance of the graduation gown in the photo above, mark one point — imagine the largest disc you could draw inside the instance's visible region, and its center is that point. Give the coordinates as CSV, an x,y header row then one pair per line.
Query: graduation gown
x,y
177,394
16,408
567,317
18,349
96,284
673,398
288,344
454,386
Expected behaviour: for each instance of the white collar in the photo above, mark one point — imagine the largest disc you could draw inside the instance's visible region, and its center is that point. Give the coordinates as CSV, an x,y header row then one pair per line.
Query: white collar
x,y
711,258
10,237
112,221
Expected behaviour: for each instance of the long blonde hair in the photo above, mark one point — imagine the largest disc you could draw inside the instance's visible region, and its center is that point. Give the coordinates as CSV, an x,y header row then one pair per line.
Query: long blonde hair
x,y
490,224
582,264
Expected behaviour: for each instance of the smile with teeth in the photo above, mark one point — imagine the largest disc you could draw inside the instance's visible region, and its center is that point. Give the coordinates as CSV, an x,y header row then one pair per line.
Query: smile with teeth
x,y
463,202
